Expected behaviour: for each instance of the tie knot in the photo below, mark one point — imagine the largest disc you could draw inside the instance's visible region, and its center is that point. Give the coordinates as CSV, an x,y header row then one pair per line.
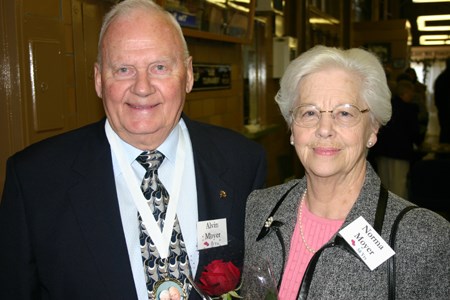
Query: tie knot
x,y
150,160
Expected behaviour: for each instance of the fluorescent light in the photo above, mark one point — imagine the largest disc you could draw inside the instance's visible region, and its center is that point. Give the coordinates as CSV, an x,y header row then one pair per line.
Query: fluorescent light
x,y
422,20
429,1
438,39
225,4
220,3
329,21
238,7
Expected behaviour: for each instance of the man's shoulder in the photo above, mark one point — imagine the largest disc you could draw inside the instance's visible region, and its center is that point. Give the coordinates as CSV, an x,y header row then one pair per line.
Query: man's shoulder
x,y
194,125
200,131
65,143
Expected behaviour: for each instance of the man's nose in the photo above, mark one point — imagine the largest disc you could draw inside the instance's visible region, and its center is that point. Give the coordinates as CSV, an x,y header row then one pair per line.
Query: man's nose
x,y
143,84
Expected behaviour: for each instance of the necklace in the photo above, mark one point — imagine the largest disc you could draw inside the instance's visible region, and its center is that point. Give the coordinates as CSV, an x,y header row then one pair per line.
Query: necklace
x,y
300,224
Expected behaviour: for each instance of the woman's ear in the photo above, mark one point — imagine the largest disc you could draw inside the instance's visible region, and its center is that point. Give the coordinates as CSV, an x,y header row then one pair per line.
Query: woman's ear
x,y
372,140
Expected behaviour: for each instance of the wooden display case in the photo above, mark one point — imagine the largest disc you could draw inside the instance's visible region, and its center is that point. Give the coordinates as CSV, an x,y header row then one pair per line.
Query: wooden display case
x,y
221,20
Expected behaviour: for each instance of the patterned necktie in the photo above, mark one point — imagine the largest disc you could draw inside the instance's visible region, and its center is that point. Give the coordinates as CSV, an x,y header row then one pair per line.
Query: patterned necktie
x,y
176,265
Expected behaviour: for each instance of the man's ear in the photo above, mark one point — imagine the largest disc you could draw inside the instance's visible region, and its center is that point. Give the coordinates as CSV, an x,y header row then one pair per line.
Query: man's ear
x,y
189,75
98,79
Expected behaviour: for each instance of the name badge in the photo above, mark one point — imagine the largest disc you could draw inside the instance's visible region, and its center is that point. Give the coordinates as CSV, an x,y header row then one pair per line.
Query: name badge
x,y
212,233
367,243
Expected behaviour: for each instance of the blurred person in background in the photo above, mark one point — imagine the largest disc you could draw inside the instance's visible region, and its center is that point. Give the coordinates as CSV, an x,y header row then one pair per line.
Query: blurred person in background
x,y
442,102
394,151
419,99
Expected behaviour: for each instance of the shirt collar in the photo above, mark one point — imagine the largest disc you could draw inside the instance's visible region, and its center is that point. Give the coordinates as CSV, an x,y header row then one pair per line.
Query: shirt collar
x,y
168,147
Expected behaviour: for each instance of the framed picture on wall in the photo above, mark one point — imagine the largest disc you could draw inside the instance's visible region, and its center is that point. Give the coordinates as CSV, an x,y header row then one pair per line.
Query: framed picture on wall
x,y
211,76
382,50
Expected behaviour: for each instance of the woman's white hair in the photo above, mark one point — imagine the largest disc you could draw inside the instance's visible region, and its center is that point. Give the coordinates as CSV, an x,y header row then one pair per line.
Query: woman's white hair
x,y
374,89
164,293
128,6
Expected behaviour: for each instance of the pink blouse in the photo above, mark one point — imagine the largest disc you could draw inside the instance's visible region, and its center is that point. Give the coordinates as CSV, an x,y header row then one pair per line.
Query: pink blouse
x,y
317,232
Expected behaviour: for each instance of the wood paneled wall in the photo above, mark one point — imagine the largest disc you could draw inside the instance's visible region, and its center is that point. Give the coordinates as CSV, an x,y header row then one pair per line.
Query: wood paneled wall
x,y
222,107
394,34
48,49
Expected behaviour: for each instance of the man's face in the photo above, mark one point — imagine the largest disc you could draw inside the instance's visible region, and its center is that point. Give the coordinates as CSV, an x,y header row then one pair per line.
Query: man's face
x,y
143,79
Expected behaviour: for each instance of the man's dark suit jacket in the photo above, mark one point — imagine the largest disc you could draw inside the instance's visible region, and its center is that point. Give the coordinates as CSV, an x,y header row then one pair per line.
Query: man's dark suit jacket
x,y
61,234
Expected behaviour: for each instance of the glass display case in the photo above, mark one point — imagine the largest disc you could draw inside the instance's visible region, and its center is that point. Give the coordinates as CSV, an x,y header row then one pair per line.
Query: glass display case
x,y
222,20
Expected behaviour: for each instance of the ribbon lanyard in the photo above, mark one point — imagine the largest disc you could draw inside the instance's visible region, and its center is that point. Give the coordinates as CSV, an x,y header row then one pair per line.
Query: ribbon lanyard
x,y
160,239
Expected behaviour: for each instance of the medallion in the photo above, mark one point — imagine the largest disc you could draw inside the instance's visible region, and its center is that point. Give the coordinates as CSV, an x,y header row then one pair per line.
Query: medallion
x,y
168,289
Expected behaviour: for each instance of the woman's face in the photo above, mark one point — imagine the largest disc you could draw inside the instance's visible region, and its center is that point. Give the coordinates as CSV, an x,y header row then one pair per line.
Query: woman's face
x,y
328,150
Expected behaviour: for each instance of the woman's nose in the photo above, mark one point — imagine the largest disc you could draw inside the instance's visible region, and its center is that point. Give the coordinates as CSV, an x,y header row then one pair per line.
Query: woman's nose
x,y
325,127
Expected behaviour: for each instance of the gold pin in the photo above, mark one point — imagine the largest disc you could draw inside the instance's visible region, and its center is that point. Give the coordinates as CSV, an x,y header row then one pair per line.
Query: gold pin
x,y
222,194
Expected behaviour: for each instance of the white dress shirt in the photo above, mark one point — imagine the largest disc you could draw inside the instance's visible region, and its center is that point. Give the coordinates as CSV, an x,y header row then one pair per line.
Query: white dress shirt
x,y
187,204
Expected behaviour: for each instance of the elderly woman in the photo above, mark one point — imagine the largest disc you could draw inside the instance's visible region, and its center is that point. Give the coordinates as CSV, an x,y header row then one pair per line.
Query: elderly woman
x,y
164,295
327,235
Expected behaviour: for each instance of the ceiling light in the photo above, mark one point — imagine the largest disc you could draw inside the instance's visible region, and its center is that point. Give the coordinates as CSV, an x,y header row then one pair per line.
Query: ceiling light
x,y
238,7
438,39
429,1
330,21
422,20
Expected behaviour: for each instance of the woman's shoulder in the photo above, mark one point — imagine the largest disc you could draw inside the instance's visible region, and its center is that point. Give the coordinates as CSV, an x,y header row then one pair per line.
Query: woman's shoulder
x,y
276,190
265,200
419,223
427,221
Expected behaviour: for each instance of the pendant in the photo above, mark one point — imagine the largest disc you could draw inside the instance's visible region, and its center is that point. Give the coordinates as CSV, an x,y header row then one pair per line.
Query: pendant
x,y
168,289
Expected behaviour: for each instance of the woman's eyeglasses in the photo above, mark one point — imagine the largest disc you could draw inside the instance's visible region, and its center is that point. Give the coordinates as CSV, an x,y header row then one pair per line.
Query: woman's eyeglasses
x,y
345,115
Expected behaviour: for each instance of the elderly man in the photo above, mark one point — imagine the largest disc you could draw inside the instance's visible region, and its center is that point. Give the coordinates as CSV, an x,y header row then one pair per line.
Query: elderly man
x,y
86,215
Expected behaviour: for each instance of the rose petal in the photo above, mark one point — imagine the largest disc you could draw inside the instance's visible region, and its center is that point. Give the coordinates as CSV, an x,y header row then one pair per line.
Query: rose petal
x,y
219,278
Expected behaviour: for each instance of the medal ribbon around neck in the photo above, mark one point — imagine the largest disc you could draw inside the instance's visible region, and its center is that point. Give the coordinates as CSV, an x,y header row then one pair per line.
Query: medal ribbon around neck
x,y
160,239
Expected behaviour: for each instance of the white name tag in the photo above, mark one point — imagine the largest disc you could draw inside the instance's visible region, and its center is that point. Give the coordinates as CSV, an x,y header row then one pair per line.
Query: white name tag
x,y
212,233
367,243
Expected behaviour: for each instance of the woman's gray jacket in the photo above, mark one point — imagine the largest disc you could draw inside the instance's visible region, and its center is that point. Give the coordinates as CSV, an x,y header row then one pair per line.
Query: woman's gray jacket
x,y
422,247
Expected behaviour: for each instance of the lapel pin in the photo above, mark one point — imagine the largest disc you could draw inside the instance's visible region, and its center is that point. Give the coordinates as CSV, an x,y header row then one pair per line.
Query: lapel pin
x,y
269,225
222,194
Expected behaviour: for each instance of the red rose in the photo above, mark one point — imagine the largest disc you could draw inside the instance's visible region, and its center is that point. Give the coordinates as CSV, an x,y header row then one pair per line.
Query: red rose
x,y
219,278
